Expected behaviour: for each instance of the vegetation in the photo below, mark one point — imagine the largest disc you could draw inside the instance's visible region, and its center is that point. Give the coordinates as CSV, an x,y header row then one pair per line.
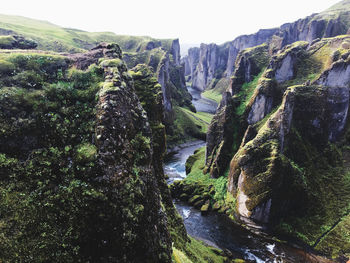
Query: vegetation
x,y
199,188
188,124
213,95
246,92
52,37
46,194
56,203
197,251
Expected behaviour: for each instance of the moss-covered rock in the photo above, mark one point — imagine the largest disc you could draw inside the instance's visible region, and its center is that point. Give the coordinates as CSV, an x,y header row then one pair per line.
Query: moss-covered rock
x,y
16,42
195,199
286,140
80,163
229,123
205,208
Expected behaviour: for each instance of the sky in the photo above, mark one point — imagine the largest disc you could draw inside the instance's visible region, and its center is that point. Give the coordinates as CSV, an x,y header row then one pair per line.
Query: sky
x,y
192,21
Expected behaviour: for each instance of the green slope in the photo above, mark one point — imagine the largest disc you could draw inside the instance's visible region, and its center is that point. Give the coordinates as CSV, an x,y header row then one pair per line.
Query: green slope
x,y
52,37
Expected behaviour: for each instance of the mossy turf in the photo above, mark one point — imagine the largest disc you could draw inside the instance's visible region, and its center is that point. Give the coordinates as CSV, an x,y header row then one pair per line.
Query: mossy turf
x,y
48,174
213,95
56,38
246,92
198,252
189,125
199,186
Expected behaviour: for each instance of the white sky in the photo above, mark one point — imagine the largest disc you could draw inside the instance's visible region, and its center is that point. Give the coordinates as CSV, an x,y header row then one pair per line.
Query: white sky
x,y
193,21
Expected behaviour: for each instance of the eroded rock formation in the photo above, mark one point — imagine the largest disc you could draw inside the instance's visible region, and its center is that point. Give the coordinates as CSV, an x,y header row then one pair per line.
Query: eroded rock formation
x,y
329,23
92,160
288,133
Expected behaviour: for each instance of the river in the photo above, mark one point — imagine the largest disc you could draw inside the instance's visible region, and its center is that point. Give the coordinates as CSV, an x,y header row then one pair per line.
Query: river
x,y
218,230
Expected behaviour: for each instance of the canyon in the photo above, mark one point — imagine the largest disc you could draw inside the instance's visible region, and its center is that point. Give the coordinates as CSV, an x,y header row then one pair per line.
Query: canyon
x,y
116,149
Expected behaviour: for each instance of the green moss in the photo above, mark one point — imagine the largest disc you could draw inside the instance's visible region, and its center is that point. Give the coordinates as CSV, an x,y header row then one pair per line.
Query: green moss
x,y
246,92
6,40
337,239
197,176
111,62
188,125
213,95
197,251
86,152
6,67
179,257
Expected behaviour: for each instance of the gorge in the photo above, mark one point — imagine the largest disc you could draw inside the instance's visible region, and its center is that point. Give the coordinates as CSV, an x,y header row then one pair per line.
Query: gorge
x,y
114,148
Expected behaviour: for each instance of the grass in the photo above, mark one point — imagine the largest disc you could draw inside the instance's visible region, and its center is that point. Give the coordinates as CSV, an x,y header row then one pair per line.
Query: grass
x,y
186,127
190,123
198,251
52,37
310,65
203,117
213,95
333,243
246,93
196,175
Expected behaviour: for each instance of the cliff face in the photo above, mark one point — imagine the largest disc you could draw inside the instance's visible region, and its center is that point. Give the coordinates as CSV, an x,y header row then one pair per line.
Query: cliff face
x,y
175,51
191,62
212,58
246,41
165,61
81,162
288,134
229,122
332,22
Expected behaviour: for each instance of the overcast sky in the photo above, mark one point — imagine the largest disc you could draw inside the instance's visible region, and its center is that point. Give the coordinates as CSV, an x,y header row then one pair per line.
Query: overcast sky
x,y
193,21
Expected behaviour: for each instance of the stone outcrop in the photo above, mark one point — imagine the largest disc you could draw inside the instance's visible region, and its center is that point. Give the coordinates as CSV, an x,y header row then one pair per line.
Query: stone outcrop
x,y
191,62
175,51
226,127
243,42
314,111
165,61
106,158
313,27
219,137
125,154
288,132
163,79
211,59
16,42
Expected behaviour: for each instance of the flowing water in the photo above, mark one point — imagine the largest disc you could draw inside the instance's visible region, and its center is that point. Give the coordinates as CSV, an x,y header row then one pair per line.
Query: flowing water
x,y
218,230
201,103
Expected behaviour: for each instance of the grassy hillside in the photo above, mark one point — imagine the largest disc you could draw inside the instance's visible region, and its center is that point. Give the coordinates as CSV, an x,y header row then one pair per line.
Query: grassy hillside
x,y
341,6
52,37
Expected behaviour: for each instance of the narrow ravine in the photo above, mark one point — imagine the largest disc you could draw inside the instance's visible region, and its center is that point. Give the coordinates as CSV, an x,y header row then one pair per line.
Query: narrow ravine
x,y
216,229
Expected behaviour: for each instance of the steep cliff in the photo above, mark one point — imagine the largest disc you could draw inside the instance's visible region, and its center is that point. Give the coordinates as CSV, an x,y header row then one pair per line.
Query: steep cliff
x,y
191,61
288,139
81,160
332,22
165,62
211,64
229,122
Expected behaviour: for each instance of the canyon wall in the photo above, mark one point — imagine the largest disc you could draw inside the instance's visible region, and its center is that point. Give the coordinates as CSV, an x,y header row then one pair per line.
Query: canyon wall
x,y
82,146
210,65
281,133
